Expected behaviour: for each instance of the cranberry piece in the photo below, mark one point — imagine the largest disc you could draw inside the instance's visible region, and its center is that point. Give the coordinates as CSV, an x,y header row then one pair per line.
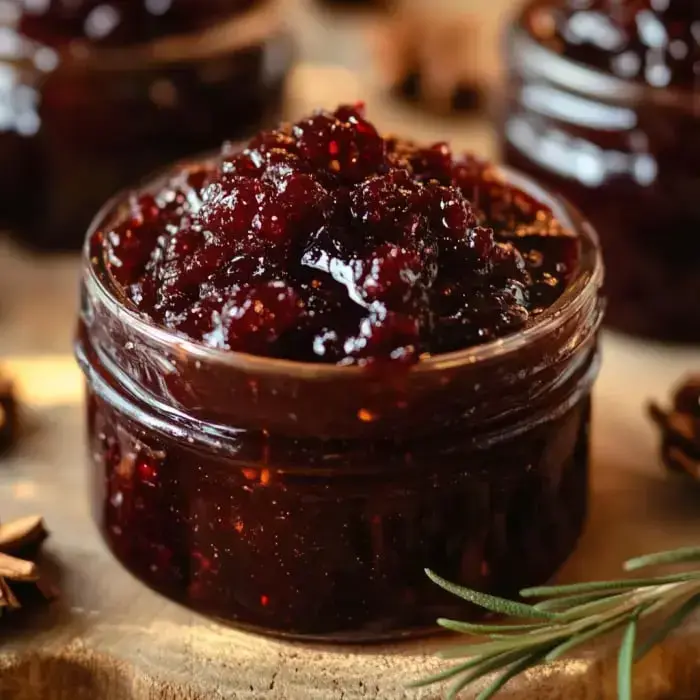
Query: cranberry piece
x,y
384,335
451,214
470,175
255,318
281,166
472,315
183,195
188,272
203,320
229,209
351,150
354,114
434,163
129,243
304,204
240,270
391,207
392,275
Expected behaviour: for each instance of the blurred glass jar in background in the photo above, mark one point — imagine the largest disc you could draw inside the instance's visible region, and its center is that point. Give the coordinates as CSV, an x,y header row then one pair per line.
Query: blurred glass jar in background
x,y
603,104
96,94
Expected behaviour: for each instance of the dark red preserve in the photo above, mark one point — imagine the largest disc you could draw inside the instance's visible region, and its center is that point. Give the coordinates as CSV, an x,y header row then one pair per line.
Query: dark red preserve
x,y
602,106
99,94
322,241
326,360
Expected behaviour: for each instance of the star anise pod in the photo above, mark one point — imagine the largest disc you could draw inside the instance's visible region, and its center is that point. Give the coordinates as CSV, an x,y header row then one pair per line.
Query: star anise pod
x,y
19,539
9,420
680,428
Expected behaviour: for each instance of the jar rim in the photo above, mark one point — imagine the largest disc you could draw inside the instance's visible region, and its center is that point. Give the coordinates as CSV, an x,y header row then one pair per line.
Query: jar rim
x,y
586,283
237,32
532,54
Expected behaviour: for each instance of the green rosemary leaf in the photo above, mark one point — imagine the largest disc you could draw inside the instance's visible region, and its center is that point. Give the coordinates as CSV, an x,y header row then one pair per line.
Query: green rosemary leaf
x,y
611,605
571,616
673,556
625,660
586,636
494,663
469,628
620,585
522,642
515,670
492,603
563,602
673,622
668,595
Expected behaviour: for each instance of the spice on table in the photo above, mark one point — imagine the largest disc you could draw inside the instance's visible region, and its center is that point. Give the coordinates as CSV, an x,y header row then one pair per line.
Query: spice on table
x,y
680,428
19,575
9,414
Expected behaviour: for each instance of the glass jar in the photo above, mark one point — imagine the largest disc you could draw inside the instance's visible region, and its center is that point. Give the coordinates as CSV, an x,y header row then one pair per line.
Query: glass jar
x,y
306,500
623,149
91,117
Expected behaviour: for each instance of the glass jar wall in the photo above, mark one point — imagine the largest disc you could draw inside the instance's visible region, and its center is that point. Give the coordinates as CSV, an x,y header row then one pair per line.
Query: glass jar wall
x,y
220,483
603,104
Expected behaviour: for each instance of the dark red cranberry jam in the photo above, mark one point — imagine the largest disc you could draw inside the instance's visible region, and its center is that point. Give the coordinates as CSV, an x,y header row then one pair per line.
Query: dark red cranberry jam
x,y
100,94
652,41
121,22
602,106
322,241
289,487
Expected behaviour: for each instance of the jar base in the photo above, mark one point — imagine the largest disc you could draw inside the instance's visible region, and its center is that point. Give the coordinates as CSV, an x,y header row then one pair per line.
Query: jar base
x,y
376,634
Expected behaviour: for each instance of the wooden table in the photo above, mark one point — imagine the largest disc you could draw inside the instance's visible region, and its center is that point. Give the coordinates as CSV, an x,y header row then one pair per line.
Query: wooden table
x,y
110,638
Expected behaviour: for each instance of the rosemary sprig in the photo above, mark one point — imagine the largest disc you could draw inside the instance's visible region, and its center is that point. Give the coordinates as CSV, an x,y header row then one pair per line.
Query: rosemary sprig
x,y
567,617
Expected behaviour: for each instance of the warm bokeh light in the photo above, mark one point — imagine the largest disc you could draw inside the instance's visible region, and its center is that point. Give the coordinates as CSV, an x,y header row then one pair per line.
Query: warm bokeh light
x,y
46,380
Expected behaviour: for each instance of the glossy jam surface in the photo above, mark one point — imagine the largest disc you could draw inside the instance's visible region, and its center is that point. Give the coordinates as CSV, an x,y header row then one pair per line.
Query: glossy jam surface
x,y
653,41
625,154
89,106
120,22
322,241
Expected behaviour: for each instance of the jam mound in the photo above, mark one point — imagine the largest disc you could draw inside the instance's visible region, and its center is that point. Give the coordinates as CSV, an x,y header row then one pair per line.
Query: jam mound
x,y
647,40
322,241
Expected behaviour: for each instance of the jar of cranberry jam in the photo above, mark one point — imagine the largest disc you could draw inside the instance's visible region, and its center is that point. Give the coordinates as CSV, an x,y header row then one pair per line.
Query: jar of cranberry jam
x,y
326,360
603,105
119,88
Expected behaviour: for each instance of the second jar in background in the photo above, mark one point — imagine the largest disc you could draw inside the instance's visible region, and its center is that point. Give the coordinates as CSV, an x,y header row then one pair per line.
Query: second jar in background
x,y
98,95
611,118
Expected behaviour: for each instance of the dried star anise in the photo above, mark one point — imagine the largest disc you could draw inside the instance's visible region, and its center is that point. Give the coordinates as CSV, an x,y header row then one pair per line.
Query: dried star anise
x,y
9,422
18,539
680,429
